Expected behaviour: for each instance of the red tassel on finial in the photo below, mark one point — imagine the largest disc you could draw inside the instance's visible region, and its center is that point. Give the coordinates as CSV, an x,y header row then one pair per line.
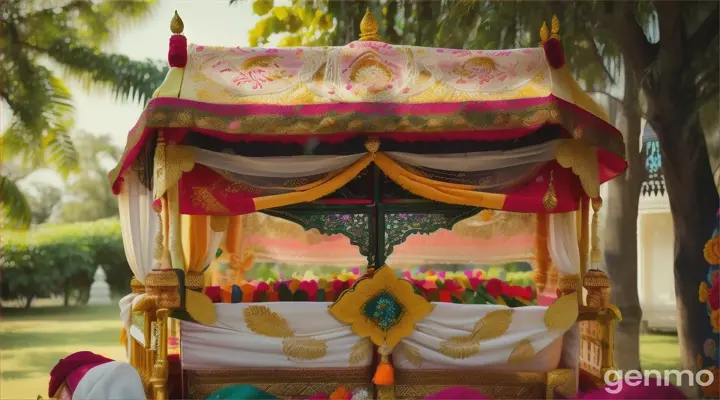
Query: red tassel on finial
x,y
554,53
177,54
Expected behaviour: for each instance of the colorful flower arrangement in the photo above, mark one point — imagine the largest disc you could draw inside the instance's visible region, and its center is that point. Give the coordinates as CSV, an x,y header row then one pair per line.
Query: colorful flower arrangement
x,y
467,287
709,294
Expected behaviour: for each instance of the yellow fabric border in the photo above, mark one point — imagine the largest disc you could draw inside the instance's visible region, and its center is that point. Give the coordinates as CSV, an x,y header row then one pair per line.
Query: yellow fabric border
x,y
316,192
435,190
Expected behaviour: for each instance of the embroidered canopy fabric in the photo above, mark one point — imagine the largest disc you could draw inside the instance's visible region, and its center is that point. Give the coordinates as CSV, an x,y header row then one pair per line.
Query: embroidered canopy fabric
x,y
506,99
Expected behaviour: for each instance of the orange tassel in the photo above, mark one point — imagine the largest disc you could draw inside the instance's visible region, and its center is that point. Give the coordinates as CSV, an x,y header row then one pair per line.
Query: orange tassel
x,y
384,374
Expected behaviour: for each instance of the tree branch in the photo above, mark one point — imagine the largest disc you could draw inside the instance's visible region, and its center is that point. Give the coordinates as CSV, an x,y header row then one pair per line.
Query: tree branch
x,y
706,32
639,52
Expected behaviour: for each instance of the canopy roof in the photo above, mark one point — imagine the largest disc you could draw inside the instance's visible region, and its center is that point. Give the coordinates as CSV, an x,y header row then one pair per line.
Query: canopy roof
x,y
237,100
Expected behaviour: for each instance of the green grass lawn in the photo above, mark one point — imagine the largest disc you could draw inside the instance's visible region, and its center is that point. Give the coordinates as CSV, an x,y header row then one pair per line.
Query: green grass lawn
x,y
32,341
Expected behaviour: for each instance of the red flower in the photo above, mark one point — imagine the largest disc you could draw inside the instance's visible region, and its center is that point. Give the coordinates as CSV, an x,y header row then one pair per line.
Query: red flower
x,y
451,286
714,297
494,287
554,53
475,282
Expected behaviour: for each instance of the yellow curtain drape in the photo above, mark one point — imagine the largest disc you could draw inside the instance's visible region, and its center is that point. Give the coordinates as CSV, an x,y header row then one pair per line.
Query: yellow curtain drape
x,y
195,240
315,191
436,190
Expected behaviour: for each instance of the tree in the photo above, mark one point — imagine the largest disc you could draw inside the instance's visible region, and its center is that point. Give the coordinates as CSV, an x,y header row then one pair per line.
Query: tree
x,y
88,195
41,38
679,74
44,202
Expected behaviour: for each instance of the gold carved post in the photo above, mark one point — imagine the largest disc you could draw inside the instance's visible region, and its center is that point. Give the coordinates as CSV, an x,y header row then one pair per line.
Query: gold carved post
x,y
160,371
584,242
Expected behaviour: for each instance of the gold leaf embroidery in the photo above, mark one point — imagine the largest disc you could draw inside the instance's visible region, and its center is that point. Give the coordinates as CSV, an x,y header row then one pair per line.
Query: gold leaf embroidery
x,y
361,351
203,198
297,349
263,321
412,354
562,313
494,324
523,351
460,347
200,307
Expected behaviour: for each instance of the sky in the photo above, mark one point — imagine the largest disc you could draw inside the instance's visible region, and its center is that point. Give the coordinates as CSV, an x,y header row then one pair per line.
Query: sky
x,y
210,22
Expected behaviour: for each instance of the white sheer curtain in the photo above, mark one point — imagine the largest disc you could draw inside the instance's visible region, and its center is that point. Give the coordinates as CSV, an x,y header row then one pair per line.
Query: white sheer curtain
x,y
479,161
274,167
564,250
139,225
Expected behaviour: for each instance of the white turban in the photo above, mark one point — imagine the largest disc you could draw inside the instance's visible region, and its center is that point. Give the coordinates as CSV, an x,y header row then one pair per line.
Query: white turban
x,y
110,381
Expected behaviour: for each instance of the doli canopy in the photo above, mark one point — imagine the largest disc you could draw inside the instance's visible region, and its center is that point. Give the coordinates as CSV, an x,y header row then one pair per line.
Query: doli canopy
x,y
377,142
508,130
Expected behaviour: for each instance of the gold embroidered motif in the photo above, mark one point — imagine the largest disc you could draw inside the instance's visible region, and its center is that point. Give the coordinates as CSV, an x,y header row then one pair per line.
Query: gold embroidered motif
x,y
200,307
523,351
263,321
578,155
298,349
412,354
562,313
460,347
493,325
361,352
202,198
170,162
349,307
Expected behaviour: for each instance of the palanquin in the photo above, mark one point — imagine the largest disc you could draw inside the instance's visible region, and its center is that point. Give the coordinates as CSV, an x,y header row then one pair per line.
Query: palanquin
x,y
375,142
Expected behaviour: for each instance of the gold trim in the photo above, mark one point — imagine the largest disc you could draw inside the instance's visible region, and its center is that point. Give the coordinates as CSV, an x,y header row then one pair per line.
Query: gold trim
x,y
281,382
136,286
561,383
418,384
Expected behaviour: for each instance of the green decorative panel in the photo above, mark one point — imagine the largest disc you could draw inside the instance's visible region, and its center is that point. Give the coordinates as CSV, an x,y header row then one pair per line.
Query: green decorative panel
x,y
400,225
354,225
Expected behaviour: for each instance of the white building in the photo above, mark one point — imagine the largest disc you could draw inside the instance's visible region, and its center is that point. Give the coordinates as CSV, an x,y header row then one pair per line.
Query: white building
x,y
656,280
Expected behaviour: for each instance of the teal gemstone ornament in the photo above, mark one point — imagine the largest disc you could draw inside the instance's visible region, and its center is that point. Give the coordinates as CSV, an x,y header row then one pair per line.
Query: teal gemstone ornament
x,y
384,310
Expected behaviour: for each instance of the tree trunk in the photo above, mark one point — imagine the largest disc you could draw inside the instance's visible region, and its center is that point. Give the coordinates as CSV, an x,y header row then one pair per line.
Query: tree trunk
x,y
693,202
620,234
28,301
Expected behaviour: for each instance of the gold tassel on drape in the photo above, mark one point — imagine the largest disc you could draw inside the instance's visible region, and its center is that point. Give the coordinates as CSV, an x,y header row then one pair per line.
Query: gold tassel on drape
x,y
542,256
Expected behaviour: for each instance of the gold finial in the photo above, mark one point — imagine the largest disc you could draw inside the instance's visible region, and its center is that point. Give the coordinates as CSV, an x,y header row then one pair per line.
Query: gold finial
x,y
369,27
176,24
544,34
555,28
